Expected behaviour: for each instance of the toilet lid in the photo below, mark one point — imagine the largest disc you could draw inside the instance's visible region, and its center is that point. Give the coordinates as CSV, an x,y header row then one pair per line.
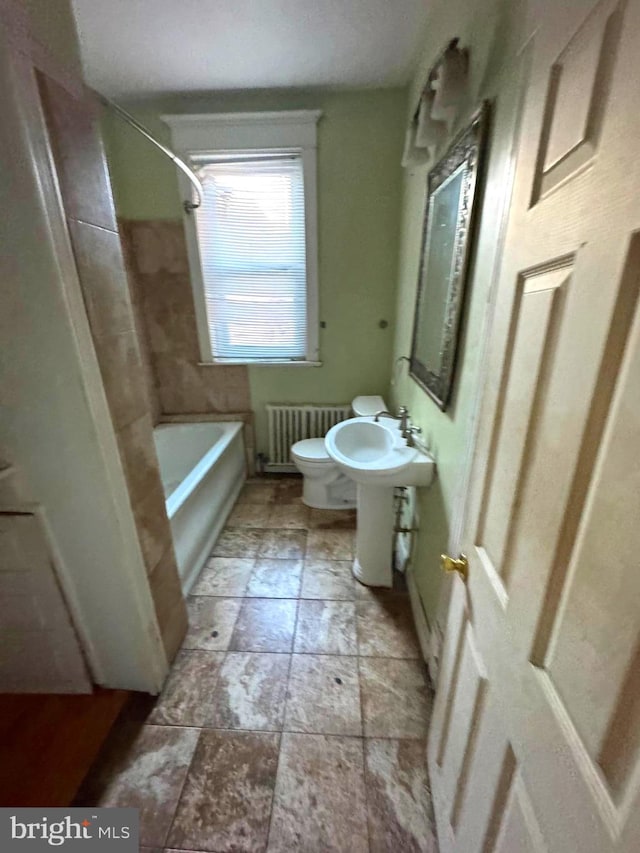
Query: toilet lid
x,y
311,450
364,406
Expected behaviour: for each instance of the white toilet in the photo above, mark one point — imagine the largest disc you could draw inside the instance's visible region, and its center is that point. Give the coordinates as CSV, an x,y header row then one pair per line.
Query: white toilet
x,y
325,486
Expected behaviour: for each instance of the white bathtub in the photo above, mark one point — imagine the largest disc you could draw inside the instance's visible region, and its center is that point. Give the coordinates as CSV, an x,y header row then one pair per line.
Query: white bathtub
x,y
202,466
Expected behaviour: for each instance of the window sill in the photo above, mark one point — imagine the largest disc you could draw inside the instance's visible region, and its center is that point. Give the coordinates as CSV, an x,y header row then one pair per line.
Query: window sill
x,y
282,363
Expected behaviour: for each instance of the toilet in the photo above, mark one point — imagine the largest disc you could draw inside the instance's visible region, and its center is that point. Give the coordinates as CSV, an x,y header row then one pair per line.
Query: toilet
x,y
324,484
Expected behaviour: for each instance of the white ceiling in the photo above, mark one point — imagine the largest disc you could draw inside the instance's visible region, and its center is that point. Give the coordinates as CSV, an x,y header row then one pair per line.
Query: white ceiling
x,y
134,48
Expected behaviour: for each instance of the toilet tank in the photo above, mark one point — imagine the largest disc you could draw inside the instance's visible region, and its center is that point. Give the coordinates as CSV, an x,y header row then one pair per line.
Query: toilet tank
x,y
368,406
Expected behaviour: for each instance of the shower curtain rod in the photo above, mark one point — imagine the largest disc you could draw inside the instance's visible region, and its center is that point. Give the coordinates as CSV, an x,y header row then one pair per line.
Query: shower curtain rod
x,y
188,205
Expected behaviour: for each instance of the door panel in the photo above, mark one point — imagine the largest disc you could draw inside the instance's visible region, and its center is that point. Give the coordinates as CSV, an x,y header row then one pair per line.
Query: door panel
x,y
536,316
582,629
465,714
534,742
519,828
577,94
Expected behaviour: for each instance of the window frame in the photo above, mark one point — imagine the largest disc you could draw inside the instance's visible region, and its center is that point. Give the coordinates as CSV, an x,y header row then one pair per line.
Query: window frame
x,y
217,134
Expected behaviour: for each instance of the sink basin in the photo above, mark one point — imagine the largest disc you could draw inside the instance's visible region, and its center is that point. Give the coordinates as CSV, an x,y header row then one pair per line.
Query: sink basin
x,y
374,454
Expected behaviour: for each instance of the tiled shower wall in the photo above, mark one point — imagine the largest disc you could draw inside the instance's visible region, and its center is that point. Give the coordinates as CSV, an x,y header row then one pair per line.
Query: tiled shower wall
x,y
86,194
161,291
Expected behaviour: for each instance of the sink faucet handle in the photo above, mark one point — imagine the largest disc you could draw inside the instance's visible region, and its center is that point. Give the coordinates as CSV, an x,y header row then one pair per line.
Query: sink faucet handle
x,y
410,432
403,417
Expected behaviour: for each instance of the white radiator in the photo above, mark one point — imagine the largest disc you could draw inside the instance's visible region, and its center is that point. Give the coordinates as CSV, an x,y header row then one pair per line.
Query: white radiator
x,y
288,424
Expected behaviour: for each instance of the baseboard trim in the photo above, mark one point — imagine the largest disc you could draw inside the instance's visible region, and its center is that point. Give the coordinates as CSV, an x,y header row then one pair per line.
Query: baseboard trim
x,y
419,617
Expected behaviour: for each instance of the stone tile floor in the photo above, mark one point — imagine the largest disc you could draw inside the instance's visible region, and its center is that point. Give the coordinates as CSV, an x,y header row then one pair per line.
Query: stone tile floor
x,y
295,716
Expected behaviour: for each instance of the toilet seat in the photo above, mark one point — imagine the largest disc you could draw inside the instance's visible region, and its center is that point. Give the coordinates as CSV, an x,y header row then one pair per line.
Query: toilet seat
x,y
366,405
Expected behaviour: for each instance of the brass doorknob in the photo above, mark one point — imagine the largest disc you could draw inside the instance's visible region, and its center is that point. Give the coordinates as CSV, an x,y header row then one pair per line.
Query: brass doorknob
x,y
459,565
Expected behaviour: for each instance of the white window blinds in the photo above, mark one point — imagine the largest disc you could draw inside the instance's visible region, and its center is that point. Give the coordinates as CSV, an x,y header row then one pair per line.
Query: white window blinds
x,y
251,239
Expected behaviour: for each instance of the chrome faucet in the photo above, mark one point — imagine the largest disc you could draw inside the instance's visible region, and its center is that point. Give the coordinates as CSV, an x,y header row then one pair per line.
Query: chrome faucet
x,y
402,416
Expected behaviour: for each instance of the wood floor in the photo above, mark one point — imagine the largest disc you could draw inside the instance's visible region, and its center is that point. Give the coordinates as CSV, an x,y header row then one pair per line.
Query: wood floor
x,y
48,743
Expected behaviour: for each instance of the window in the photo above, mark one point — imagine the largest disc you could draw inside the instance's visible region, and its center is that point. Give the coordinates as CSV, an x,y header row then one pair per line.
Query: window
x,y
252,242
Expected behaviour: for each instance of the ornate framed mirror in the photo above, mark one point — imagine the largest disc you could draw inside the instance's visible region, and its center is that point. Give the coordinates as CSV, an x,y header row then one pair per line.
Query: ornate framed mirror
x,y
447,237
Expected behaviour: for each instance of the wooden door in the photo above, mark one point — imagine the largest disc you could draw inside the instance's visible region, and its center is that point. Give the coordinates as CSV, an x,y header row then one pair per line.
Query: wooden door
x,y
535,740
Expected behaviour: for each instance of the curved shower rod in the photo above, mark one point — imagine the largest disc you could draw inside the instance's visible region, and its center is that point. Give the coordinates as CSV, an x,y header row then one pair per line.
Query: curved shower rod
x,y
188,205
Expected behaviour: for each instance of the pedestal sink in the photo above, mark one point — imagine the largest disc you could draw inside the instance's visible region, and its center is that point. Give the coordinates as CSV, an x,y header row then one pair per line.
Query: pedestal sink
x,y
377,457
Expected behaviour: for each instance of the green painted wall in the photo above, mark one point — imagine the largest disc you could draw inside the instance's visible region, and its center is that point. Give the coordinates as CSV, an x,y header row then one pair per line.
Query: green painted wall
x,y
359,196
490,31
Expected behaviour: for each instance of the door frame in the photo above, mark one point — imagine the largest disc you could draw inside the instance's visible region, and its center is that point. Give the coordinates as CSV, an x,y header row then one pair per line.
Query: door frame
x,y
101,604
437,631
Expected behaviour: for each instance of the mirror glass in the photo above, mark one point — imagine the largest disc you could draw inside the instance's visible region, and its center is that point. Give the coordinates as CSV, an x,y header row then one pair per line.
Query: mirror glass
x,y
436,276
445,252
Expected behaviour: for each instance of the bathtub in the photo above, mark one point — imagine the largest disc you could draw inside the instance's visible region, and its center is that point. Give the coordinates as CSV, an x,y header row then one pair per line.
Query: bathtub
x,y
202,466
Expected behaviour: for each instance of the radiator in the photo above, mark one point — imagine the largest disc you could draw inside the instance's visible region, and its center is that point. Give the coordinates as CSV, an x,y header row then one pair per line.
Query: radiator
x,y
288,424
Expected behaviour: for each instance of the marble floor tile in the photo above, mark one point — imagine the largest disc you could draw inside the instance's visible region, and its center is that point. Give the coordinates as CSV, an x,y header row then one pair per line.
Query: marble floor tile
x,y
275,578
326,627
398,797
396,698
289,490
283,544
323,696
250,693
319,802
307,690
224,576
258,493
144,768
330,544
289,516
238,542
328,579
226,800
186,697
385,628
265,625
319,700
250,515
211,622
332,519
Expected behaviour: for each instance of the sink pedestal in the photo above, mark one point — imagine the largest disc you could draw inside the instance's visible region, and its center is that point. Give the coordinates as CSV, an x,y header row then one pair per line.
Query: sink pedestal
x,y
378,458
374,537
